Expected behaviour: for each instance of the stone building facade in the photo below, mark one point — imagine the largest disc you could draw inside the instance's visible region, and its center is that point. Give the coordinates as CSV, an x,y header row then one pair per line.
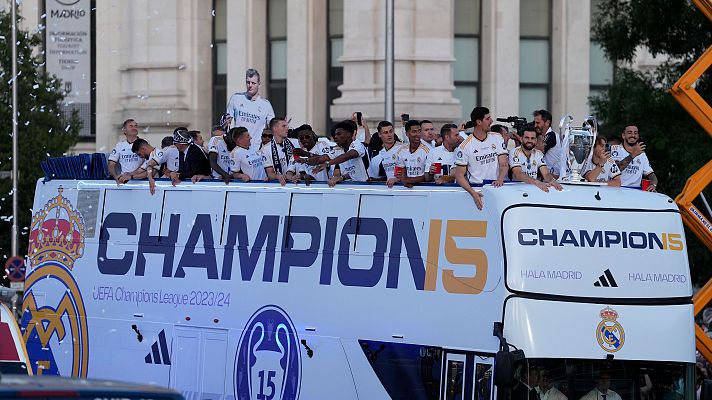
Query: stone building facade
x,y
169,63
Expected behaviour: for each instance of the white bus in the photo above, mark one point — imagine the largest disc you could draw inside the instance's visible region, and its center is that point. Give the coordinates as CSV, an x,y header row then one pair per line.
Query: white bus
x,y
257,291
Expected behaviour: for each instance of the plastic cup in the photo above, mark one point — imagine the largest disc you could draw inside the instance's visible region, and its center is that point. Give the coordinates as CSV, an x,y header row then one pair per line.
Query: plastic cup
x,y
437,168
645,184
398,170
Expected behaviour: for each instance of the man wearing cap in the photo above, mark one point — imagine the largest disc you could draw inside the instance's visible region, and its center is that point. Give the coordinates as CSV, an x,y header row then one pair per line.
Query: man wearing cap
x,y
193,163
249,109
129,162
219,148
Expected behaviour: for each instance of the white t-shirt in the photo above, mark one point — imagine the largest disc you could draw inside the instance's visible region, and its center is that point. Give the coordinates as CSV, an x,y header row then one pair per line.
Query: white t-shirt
x,y
267,151
168,156
387,159
610,170
414,162
595,394
353,168
249,162
530,165
253,114
127,159
554,156
217,145
441,155
481,156
320,148
634,172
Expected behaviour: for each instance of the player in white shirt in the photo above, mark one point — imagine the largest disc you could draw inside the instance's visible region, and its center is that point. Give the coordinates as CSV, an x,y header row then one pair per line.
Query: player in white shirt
x,y
347,157
153,158
599,167
248,164
632,161
552,141
311,146
279,152
382,165
129,162
444,155
249,109
219,148
427,134
546,390
527,164
411,157
481,156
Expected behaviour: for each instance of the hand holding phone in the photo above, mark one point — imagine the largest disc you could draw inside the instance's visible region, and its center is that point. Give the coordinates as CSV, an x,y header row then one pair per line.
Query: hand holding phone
x,y
405,117
359,116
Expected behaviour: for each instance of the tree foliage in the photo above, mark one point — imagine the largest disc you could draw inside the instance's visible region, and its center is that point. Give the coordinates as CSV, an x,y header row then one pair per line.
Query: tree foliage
x,y
676,145
42,127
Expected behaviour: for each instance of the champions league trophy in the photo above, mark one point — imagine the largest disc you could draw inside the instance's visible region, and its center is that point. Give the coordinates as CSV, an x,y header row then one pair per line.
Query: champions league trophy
x,y
577,145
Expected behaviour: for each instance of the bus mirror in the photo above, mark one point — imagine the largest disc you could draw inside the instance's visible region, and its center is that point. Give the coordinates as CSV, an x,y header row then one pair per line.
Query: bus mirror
x,y
505,363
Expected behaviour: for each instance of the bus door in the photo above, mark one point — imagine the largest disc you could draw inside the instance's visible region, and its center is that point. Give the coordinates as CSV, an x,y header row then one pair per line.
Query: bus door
x,y
466,376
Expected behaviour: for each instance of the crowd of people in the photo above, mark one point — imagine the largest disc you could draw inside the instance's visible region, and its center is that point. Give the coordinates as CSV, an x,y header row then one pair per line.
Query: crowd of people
x,y
250,143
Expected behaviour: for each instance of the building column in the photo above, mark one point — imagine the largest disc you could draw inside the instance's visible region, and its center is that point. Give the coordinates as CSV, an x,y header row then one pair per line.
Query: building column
x,y
157,70
246,43
570,59
423,61
307,67
500,57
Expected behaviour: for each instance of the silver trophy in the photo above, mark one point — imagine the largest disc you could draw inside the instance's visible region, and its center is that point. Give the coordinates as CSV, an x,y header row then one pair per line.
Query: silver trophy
x,y
577,144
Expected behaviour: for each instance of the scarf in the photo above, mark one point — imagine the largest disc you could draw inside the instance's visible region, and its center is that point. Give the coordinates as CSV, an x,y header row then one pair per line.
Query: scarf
x,y
288,152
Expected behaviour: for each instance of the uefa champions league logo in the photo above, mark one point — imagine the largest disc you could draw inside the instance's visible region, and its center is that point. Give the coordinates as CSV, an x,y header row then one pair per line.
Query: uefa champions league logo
x,y
268,359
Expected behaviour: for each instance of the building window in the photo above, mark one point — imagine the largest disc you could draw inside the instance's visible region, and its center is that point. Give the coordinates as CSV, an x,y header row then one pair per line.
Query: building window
x,y
466,69
277,55
219,59
534,56
600,67
335,47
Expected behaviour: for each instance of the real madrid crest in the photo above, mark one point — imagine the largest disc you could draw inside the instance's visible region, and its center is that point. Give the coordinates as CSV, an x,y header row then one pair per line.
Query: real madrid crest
x,y
609,333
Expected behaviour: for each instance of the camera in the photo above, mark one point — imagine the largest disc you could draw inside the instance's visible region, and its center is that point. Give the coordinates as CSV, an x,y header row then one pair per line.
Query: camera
x,y
520,124
469,125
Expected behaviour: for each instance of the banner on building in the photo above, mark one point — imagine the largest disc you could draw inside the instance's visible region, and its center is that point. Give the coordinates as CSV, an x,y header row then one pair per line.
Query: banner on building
x,y
68,54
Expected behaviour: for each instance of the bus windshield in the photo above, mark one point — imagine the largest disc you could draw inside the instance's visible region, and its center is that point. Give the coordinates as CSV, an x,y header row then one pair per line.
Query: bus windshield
x,y
561,379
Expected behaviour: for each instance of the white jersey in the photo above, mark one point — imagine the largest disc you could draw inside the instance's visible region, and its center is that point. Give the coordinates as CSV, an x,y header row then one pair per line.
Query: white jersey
x,y
554,153
217,145
249,162
386,159
414,162
320,148
609,172
353,168
633,174
253,114
127,159
284,162
595,394
443,156
168,156
481,156
530,165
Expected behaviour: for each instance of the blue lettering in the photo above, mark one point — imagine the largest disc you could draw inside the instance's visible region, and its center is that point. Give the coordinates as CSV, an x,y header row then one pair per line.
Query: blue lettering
x,y
362,277
165,245
299,258
327,255
568,238
655,239
404,233
115,266
643,240
593,241
552,237
525,242
612,237
191,259
266,235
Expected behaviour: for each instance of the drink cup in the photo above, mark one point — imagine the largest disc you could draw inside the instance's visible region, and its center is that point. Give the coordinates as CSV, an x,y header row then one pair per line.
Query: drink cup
x,y
398,171
437,168
645,184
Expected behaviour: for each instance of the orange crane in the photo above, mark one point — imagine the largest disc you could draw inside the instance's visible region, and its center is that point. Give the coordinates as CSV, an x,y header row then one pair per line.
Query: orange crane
x,y
684,92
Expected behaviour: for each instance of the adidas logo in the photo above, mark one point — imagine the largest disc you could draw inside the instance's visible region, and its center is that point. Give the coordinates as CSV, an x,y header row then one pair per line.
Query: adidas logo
x,y
159,351
606,280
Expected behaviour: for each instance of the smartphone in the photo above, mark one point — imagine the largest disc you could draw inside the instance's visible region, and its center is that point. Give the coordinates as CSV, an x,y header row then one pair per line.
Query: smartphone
x,y
359,117
608,148
405,117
